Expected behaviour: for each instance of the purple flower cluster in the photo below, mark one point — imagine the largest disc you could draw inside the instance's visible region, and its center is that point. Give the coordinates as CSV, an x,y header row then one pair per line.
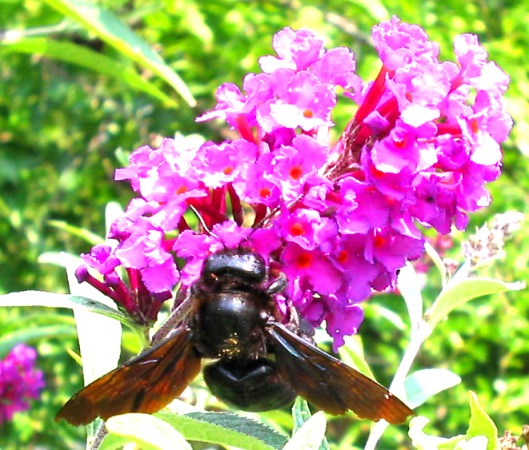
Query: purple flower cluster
x,y
19,381
339,220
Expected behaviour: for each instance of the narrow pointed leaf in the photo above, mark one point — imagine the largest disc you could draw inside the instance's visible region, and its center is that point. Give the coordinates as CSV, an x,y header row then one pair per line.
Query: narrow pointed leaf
x,y
410,288
52,300
456,294
149,432
99,335
33,335
117,34
310,435
424,384
301,414
225,429
84,57
352,353
480,423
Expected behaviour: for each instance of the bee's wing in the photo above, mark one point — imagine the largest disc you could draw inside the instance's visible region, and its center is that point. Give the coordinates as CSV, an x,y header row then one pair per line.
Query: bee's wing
x,y
329,384
144,384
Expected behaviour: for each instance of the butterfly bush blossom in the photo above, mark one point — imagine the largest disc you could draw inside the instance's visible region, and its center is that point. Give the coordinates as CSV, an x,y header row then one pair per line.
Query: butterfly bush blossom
x,y
338,219
19,381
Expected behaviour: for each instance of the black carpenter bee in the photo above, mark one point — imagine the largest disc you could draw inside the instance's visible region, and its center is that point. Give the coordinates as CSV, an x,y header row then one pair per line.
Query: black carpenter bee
x,y
261,364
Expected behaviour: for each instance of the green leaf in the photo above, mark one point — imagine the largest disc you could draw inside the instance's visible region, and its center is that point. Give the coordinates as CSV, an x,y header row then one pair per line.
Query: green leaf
x,y
352,353
480,423
383,313
225,429
84,57
52,300
117,34
438,262
83,233
300,413
410,288
195,23
99,336
424,384
375,9
481,429
423,441
113,210
456,294
60,259
149,432
33,334
310,435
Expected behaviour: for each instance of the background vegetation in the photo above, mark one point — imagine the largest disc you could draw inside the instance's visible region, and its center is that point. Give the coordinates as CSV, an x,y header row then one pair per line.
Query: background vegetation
x,y
65,126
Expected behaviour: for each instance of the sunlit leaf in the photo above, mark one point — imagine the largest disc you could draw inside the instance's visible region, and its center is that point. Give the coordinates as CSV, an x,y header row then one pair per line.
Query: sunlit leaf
x,y
310,435
52,300
86,235
84,57
410,288
438,262
113,210
99,335
149,432
117,34
32,335
352,353
480,423
375,9
456,294
424,384
301,414
423,441
225,429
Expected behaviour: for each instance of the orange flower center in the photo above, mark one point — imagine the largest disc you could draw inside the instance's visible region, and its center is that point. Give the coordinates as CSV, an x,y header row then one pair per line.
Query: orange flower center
x,y
296,229
296,172
304,261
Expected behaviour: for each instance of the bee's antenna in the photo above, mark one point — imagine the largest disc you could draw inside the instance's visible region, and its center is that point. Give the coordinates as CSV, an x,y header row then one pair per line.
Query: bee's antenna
x,y
278,285
274,211
176,317
206,228
203,222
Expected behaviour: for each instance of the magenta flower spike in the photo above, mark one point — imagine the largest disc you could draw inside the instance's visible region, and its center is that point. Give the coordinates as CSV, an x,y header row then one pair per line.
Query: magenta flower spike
x,y
338,219
20,382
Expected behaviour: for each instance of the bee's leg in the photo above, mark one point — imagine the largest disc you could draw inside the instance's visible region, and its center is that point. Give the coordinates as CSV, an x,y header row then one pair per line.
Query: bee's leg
x,y
303,328
299,325
176,317
277,285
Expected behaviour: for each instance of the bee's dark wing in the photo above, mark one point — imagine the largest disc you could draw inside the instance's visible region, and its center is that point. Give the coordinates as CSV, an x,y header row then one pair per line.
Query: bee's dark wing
x,y
144,384
329,384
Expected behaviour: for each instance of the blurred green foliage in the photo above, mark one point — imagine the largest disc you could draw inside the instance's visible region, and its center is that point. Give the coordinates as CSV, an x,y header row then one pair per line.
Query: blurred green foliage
x,y
61,126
